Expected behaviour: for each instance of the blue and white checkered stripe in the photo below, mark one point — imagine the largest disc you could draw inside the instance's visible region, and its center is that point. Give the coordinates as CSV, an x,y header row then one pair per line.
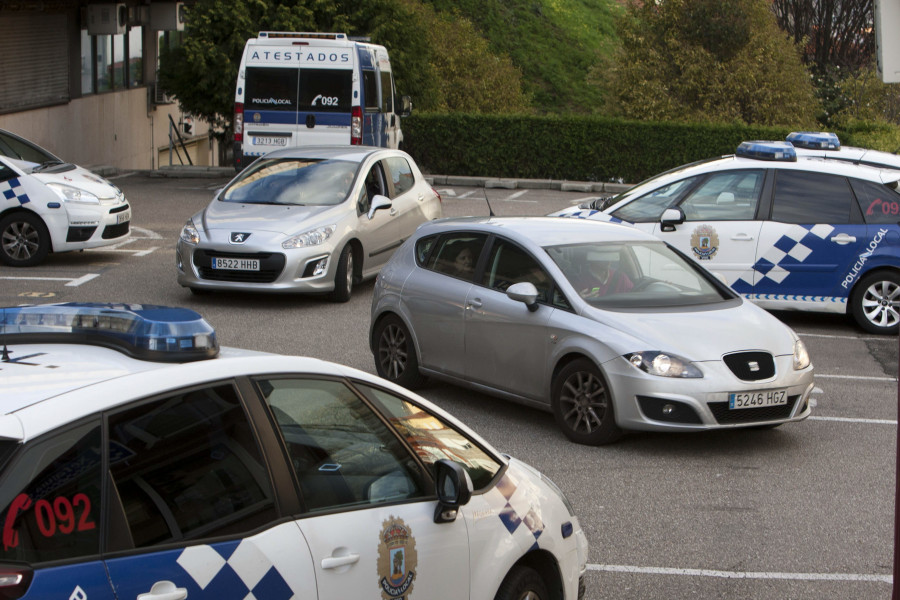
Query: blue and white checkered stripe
x,y
795,246
237,569
519,514
12,189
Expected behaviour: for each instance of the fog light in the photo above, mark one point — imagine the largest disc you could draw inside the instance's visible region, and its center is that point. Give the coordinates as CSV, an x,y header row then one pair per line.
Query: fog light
x,y
320,267
668,410
178,262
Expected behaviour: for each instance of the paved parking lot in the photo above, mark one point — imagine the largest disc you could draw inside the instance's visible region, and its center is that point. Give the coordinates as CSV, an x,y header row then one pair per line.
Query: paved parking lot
x,y
801,511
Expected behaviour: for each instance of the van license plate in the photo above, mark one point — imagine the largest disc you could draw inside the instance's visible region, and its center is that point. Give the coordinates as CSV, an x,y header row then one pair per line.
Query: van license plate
x,y
270,141
757,399
236,264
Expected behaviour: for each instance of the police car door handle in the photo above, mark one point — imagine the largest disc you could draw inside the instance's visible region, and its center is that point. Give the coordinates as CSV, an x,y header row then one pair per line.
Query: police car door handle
x,y
333,562
843,239
742,237
393,212
164,590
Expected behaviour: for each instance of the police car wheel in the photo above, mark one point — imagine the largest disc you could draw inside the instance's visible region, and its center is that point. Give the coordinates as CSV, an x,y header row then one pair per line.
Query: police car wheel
x,y
522,583
583,406
875,303
343,277
395,354
24,240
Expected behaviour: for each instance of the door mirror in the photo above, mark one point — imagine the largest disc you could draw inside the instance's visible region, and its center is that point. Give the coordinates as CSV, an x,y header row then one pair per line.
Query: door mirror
x,y
378,202
454,489
405,106
524,291
670,218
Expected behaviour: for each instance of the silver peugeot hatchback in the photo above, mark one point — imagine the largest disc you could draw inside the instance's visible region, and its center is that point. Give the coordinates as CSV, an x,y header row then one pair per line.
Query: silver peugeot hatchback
x,y
605,325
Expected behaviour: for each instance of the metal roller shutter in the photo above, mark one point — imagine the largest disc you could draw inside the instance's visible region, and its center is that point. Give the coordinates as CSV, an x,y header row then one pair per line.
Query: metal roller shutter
x,y
34,60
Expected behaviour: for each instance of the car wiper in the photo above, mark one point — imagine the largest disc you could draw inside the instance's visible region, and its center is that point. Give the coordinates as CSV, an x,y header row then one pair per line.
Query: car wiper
x,y
47,165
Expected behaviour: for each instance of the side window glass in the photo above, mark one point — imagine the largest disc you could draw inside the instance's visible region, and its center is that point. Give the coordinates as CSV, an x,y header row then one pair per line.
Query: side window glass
x,y
6,173
726,196
879,203
387,92
457,254
433,439
649,207
804,197
509,264
375,183
401,175
423,248
342,453
370,89
188,467
51,498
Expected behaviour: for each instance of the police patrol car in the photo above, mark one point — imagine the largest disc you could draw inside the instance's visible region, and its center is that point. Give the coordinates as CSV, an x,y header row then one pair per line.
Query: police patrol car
x,y
787,233
48,205
826,145
140,460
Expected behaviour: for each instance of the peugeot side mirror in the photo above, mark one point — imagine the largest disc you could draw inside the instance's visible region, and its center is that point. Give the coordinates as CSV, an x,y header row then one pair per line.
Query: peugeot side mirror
x,y
378,202
454,489
524,291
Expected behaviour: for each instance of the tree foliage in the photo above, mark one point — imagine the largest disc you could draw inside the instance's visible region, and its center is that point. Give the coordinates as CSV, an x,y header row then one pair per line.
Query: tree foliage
x,y
708,60
837,33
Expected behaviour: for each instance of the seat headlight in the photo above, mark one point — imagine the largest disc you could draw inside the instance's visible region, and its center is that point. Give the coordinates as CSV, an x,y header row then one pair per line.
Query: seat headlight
x,y
663,364
189,233
313,237
69,193
801,355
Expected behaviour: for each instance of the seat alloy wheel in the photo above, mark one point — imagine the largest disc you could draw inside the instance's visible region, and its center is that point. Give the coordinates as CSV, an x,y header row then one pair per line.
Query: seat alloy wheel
x,y
395,353
583,405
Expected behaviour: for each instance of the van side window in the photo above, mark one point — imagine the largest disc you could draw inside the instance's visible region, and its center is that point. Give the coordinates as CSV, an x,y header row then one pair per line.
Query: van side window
x,y
370,89
401,175
387,92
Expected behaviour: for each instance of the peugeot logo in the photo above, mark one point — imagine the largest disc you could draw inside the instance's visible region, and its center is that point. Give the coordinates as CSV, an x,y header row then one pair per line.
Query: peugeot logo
x,y
754,366
238,237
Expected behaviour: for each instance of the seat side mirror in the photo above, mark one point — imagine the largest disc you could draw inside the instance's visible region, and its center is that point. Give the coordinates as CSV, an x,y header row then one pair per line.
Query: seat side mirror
x,y
524,291
454,489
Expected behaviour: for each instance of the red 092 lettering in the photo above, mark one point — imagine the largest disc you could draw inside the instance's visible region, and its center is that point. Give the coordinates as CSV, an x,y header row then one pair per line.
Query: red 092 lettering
x,y
887,208
61,515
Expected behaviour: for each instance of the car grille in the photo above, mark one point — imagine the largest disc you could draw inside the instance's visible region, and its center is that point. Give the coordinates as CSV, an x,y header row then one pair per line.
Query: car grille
x,y
114,231
724,415
751,366
270,266
80,234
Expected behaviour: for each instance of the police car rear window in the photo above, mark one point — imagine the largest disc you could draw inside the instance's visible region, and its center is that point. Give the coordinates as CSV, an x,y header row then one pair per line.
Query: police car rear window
x,y
879,203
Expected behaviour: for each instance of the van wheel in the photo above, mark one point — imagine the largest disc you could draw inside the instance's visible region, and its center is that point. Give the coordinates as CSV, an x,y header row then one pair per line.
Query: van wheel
x,y
395,354
24,240
522,583
343,276
875,302
583,405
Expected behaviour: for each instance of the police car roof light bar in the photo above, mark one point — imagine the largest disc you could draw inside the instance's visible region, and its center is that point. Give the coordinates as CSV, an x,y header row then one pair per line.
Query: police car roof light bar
x,y
142,331
767,150
815,140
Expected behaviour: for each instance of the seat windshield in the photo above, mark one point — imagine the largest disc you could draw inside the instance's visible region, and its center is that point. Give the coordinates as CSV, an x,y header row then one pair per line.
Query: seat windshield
x,y
293,181
635,275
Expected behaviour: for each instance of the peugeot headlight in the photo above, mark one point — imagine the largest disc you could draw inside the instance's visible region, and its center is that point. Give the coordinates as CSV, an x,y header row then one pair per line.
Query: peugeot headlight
x,y
69,193
801,356
189,233
309,238
663,364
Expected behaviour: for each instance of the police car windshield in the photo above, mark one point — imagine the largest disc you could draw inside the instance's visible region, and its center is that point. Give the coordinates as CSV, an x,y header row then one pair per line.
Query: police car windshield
x,y
293,181
604,203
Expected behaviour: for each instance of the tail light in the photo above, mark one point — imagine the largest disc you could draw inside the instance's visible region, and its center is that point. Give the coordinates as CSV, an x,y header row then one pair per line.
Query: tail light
x,y
356,125
14,581
436,193
238,121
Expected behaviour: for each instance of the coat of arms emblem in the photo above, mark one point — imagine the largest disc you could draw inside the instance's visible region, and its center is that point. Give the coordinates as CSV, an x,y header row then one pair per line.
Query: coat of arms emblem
x,y
397,559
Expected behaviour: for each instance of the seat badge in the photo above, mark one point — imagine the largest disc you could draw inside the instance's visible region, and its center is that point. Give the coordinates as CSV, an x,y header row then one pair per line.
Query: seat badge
x,y
754,366
397,558
238,237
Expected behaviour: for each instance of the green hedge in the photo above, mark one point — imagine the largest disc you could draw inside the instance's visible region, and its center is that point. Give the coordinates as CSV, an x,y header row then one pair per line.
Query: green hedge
x,y
586,148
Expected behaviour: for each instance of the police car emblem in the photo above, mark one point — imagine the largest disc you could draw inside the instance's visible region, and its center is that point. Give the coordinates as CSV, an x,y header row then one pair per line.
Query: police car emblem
x,y
397,559
704,242
238,237
257,117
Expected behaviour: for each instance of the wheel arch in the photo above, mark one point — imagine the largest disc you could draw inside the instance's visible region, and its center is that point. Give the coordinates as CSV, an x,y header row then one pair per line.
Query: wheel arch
x,y
385,314
546,565
27,211
857,284
565,359
356,248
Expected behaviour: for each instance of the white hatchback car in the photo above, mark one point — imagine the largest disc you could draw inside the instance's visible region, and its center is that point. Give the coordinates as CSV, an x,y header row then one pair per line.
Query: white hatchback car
x,y
49,205
140,460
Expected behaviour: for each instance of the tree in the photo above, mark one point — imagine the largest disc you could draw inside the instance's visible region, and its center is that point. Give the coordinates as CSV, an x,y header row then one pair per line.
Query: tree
x,y
707,60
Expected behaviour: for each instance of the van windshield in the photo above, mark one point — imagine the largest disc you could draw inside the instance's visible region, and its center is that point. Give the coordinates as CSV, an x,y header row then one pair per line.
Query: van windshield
x,y
292,89
293,181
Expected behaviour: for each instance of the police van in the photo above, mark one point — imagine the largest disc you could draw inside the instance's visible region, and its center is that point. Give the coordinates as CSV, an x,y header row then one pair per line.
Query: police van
x,y
786,232
298,89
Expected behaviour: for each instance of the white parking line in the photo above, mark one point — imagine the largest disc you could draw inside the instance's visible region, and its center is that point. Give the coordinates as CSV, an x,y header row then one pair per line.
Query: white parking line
x,y
852,420
71,282
515,197
82,279
857,377
889,579
865,338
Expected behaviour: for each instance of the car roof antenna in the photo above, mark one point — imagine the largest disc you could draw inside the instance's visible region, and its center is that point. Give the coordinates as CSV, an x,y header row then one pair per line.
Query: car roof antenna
x,y
490,210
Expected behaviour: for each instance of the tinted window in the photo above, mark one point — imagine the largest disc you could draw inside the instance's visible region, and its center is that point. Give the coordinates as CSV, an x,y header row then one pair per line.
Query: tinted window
x,y
387,92
401,174
270,88
650,207
342,453
16,148
726,196
326,90
433,439
879,203
457,254
6,173
51,498
804,197
296,181
509,264
370,89
423,248
188,467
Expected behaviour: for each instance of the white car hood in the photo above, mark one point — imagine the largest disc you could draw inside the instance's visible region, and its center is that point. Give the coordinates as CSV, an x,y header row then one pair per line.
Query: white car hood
x,y
275,218
79,178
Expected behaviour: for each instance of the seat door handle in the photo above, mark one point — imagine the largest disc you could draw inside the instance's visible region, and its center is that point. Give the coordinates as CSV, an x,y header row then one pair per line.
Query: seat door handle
x,y
164,590
333,562
473,303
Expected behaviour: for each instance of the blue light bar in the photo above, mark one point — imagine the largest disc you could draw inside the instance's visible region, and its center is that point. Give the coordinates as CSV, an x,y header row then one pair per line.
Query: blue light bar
x,y
814,140
143,331
763,150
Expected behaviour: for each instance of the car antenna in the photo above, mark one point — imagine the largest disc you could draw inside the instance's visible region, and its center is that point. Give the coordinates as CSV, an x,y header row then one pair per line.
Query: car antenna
x,y
490,210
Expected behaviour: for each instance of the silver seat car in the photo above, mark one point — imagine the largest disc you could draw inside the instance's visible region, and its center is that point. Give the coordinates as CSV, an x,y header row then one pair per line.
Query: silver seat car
x,y
311,219
605,325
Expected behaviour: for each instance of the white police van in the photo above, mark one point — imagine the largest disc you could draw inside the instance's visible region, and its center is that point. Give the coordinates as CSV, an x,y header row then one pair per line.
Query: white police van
x,y
787,233
140,460
298,89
